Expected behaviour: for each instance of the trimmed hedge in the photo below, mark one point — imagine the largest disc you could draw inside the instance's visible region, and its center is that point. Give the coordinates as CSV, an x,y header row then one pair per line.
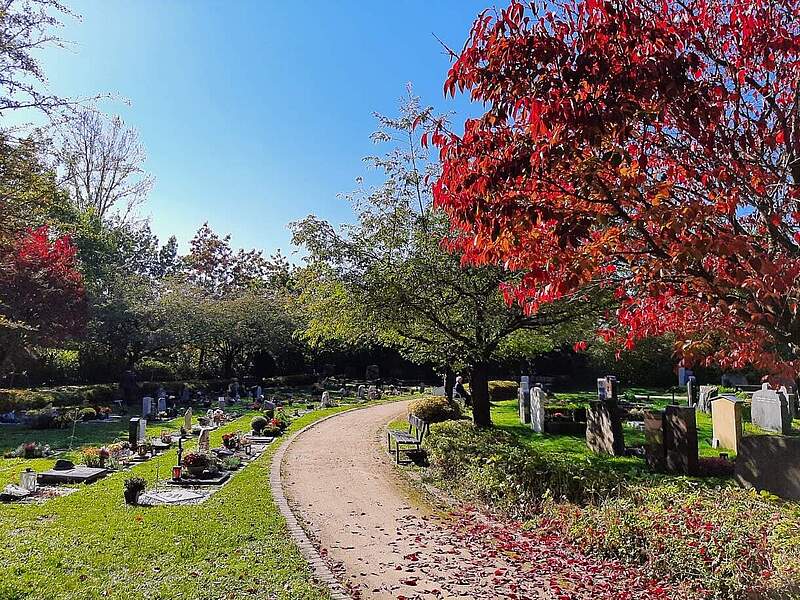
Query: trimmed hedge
x,y
434,409
503,390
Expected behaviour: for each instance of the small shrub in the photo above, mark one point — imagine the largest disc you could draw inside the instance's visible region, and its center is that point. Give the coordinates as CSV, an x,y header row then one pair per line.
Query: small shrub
x,y
197,459
88,414
44,418
231,463
503,390
259,423
434,409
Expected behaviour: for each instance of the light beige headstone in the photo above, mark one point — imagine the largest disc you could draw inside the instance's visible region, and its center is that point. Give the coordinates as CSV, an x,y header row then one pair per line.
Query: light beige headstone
x,y
204,441
726,419
187,420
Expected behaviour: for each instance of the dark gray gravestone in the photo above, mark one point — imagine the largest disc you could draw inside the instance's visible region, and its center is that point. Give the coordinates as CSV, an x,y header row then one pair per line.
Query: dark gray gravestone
x,y
133,432
604,429
76,475
680,440
692,391
707,394
523,406
654,452
770,462
770,411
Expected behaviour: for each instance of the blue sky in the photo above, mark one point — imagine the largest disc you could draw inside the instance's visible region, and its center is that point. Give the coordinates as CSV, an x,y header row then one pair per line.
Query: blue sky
x,y
256,113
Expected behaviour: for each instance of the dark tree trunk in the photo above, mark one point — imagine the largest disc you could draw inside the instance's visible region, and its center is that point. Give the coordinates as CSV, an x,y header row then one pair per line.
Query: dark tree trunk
x,y
479,389
449,383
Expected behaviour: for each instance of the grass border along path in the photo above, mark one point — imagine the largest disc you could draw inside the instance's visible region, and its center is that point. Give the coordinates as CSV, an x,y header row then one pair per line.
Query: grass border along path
x,y
91,545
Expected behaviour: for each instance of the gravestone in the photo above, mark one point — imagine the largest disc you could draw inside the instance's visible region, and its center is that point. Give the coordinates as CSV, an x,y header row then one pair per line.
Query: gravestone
x,y
791,398
269,405
204,441
77,475
692,391
133,432
612,389
142,433
14,493
525,383
438,391
362,392
374,393
372,373
726,419
326,400
523,405
654,451
683,376
147,406
162,404
187,420
537,409
707,393
604,428
680,439
771,463
770,410
601,389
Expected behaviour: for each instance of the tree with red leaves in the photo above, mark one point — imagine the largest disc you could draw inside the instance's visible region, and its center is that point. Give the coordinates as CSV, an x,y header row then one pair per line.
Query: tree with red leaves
x,y
41,292
651,145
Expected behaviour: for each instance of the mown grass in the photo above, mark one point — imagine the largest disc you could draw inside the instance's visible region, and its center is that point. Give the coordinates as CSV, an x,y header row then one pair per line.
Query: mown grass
x,y
91,545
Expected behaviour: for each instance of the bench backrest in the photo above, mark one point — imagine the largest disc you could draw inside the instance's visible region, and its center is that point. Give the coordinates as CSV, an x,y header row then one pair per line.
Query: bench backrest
x,y
419,426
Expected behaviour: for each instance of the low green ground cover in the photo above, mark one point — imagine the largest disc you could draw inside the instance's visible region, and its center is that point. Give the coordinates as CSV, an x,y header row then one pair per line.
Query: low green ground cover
x,y
91,545
727,542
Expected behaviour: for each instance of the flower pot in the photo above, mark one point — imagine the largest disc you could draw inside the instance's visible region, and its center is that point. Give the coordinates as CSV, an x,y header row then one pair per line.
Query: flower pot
x,y
131,496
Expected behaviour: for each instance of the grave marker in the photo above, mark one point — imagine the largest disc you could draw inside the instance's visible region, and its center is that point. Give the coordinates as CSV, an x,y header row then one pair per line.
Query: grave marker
x,y
147,406
187,420
692,391
604,428
537,409
523,406
707,393
726,419
204,441
654,451
680,439
770,410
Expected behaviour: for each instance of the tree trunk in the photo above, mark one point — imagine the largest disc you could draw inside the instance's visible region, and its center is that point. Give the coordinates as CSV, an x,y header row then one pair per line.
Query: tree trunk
x,y
449,383
479,389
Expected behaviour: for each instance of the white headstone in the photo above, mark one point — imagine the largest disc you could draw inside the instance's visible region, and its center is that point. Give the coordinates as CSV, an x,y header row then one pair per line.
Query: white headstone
x,y
362,392
147,406
142,430
525,383
326,400
162,404
537,409
438,391
187,420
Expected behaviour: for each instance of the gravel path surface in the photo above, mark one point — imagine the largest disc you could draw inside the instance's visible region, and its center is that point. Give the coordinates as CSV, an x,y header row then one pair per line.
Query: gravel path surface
x,y
380,540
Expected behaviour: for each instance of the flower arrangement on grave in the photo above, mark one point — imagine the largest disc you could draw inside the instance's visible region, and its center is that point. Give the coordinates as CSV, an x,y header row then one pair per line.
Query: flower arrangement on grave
x,y
231,441
90,456
103,412
219,417
196,462
166,437
104,454
133,488
281,420
144,447
31,450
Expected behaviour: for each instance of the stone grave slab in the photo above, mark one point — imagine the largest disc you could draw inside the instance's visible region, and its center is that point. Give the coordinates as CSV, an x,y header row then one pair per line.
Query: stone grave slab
x,y
706,395
680,439
171,496
77,475
770,410
726,419
523,406
537,409
221,478
654,452
770,462
604,433
13,493
261,440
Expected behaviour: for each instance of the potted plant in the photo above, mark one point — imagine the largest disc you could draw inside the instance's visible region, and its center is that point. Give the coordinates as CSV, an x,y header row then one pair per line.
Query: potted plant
x,y
133,488
258,424
103,454
196,462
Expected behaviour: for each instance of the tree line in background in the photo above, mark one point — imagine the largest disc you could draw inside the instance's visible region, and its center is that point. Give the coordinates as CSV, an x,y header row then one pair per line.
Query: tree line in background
x,y
546,224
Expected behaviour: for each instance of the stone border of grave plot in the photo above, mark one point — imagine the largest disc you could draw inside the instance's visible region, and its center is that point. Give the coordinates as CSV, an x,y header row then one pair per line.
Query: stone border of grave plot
x,y
322,573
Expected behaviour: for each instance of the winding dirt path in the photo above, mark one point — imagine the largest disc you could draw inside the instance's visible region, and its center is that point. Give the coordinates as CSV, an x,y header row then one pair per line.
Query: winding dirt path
x,y
369,524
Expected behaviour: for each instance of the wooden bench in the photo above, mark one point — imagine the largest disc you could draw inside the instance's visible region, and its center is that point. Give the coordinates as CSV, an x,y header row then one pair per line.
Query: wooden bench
x,y
405,442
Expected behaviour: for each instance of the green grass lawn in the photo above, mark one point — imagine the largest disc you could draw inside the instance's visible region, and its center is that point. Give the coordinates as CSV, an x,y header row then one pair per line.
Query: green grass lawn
x,y
91,545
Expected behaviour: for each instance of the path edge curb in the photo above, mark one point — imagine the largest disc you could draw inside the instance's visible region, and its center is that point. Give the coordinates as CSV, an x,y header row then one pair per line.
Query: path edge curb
x,y
319,567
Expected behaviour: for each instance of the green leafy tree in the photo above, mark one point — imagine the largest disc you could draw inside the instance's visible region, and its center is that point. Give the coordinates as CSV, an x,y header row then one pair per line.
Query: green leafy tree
x,y
388,277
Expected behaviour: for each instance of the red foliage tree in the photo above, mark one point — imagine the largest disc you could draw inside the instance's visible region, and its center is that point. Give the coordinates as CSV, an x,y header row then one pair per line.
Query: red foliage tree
x,y
42,297
650,144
